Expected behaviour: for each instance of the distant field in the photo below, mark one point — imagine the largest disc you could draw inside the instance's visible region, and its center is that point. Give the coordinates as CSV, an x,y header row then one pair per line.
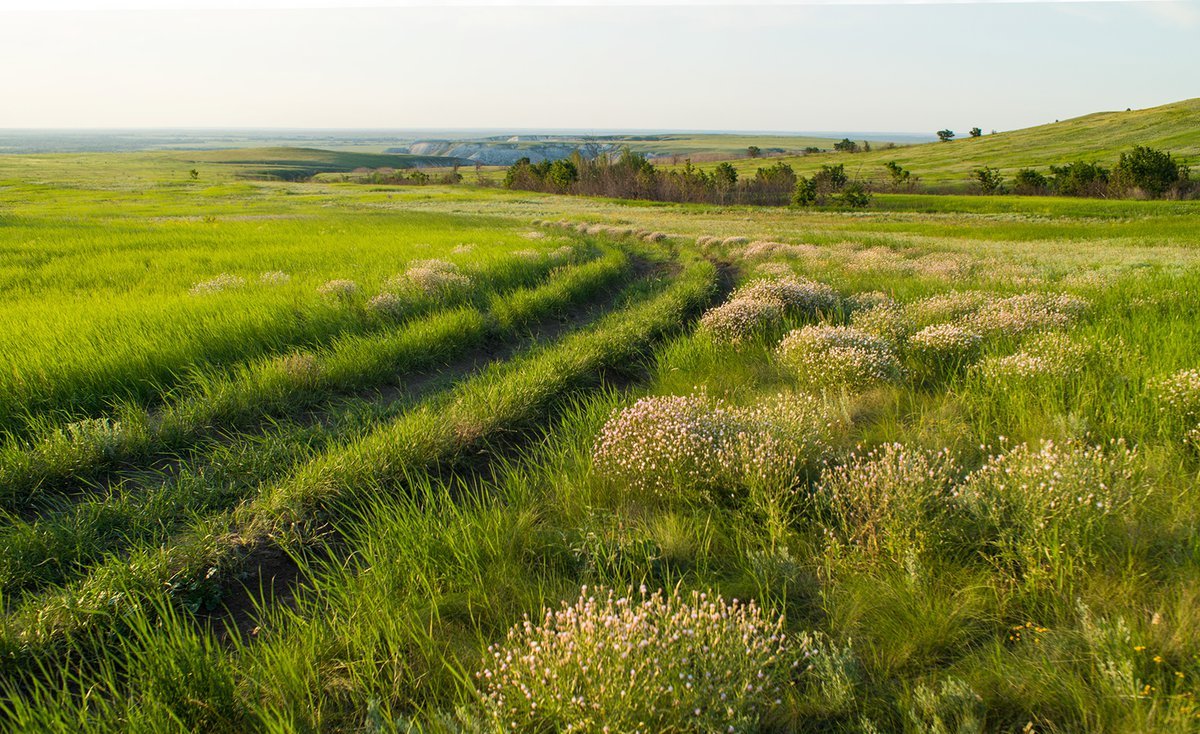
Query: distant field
x,y
281,456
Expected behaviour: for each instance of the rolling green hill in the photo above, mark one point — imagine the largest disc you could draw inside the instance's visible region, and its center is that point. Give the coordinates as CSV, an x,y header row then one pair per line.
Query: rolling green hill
x,y
1098,137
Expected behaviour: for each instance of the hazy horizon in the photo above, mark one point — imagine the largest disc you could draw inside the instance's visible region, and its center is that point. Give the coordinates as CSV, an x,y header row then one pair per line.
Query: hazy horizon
x,y
784,68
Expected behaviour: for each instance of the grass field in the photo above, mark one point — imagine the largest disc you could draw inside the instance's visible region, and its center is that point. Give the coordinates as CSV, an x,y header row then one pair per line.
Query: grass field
x,y
305,457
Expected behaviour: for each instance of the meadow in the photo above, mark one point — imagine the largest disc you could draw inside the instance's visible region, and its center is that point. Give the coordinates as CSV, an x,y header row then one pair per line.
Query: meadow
x,y
339,457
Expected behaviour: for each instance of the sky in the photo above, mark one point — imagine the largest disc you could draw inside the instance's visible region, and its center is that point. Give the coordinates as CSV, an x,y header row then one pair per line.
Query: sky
x,y
782,66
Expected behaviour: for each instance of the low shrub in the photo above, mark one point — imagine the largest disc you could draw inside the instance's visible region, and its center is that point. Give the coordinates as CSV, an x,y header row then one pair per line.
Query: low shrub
x,y
635,663
834,356
1045,509
693,446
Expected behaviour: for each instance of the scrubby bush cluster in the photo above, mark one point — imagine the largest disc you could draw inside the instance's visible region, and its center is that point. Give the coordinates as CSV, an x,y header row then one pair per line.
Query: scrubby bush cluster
x,y
1027,312
740,319
635,663
1044,508
825,356
760,305
691,445
883,500
1054,355
1141,172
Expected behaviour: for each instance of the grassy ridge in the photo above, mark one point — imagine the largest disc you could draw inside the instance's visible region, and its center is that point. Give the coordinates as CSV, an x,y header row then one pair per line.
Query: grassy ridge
x,y
1098,137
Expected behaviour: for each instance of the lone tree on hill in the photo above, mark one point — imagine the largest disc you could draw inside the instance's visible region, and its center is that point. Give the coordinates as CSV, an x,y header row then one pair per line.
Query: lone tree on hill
x,y
976,132
945,135
754,151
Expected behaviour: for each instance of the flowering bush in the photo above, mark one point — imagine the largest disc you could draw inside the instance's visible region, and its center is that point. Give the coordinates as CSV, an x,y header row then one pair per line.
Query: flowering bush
x,y
796,295
764,249
887,499
658,663
432,279
1046,507
1054,355
340,289
826,356
943,348
740,319
886,320
389,304
223,282
662,445
1021,314
946,307
868,299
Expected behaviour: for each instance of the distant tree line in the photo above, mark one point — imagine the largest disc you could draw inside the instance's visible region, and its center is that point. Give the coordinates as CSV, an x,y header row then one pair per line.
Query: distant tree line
x,y
631,176
1139,173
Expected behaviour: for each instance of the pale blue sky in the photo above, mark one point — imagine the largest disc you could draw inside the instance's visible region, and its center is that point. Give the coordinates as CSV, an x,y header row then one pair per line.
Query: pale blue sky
x,y
835,65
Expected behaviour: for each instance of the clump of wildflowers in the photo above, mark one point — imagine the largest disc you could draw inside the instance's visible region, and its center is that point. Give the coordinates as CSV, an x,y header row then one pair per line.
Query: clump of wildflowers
x,y
1027,312
636,663
695,444
436,279
885,320
887,499
831,356
797,295
274,277
300,368
765,249
1053,355
1180,394
868,299
389,304
340,289
774,270
223,282
946,306
943,348
741,318
1047,506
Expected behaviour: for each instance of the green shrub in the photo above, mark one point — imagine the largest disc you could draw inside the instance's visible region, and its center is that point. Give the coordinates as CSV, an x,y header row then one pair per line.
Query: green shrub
x,y
1148,170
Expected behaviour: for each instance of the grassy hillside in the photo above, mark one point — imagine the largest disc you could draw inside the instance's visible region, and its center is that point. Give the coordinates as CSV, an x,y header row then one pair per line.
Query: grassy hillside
x,y
1099,137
